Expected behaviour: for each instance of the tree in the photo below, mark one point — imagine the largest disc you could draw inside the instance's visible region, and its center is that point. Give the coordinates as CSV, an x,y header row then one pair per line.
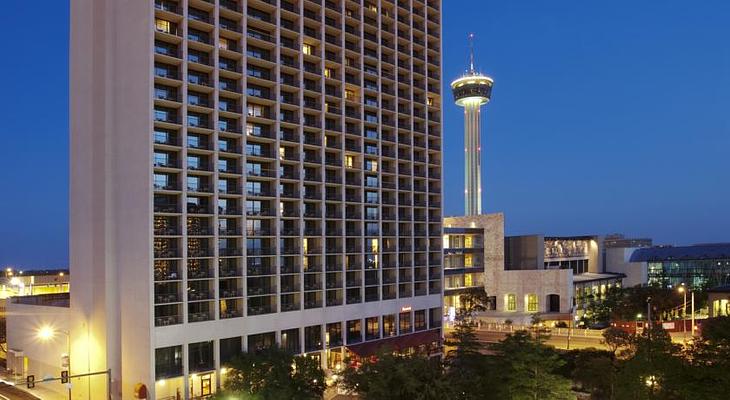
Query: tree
x,y
468,371
616,339
529,369
652,370
592,370
394,377
474,300
273,373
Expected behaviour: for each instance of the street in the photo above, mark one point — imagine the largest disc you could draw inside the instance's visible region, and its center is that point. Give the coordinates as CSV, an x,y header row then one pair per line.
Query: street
x,y
577,341
9,392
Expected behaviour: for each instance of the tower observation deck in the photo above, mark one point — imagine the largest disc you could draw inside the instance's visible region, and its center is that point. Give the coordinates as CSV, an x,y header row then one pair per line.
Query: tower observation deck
x,y
471,91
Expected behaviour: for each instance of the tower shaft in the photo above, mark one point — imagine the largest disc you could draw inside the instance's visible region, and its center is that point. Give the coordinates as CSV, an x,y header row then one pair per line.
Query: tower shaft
x,y
472,159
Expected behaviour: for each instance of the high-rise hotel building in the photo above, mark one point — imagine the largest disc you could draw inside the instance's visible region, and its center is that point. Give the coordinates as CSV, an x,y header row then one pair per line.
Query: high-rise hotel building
x,y
247,173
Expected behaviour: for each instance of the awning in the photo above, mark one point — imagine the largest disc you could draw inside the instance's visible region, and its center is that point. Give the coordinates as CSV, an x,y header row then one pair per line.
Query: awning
x,y
397,343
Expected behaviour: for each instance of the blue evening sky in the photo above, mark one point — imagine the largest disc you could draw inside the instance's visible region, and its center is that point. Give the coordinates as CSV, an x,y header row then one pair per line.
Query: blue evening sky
x,y
606,117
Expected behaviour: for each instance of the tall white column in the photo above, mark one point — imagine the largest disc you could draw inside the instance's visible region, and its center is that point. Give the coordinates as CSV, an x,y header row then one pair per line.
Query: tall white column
x,y
472,159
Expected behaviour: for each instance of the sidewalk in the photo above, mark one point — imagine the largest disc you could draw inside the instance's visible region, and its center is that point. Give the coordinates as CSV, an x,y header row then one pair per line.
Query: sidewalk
x,y
41,390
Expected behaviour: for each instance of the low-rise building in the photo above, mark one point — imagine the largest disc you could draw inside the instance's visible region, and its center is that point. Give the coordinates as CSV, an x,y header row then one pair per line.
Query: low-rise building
x,y
701,266
555,277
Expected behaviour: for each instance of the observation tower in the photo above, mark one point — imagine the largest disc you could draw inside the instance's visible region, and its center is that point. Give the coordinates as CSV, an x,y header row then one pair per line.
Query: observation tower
x,y
472,91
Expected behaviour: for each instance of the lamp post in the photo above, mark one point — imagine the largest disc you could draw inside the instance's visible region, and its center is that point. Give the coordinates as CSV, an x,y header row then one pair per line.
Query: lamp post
x,y
46,333
682,290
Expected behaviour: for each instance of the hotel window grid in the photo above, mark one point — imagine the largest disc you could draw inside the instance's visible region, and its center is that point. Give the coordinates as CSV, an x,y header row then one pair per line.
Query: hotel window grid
x,y
360,110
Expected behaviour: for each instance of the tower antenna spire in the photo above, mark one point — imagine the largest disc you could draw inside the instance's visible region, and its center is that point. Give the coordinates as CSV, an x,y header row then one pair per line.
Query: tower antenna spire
x,y
471,52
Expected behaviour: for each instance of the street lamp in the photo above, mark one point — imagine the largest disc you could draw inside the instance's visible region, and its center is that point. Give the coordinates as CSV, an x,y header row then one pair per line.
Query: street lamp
x,y
683,289
46,333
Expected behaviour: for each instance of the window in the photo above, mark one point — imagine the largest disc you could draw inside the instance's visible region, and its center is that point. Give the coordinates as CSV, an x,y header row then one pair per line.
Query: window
x,y
349,162
434,317
531,302
200,356
328,72
350,95
253,129
168,362
290,341
389,328
404,320
334,334
261,341
468,260
163,26
313,338
354,331
254,110
419,320
510,302
372,328
307,49
230,348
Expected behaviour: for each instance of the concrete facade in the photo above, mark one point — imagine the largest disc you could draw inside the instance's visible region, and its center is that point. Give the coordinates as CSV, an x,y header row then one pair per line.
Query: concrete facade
x,y
502,284
618,260
369,96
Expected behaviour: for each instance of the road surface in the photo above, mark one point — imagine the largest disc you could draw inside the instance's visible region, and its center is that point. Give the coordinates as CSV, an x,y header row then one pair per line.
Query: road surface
x,y
577,341
9,392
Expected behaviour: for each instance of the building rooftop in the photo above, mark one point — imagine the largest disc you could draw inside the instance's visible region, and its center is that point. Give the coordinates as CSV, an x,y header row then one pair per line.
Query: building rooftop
x,y
712,251
593,276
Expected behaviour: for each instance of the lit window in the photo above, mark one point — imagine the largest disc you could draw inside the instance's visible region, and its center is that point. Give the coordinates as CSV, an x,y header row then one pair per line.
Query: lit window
x,y
373,245
468,242
224,43
349,161
510,302
163,26
282,152
430,101
350,95
307,49
468,280
531,300
468,260
328,72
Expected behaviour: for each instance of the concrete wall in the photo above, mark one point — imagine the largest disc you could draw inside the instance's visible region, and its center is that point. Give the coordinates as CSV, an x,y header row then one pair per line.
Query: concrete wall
x,y
499,282
617,261
111,156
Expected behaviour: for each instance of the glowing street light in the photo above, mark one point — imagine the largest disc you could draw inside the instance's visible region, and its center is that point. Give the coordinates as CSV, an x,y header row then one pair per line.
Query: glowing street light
x,y
48,332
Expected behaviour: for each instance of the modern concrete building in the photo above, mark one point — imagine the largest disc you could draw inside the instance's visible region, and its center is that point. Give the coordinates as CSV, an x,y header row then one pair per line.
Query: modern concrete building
x,y
250,172
553,277
471,91
701,266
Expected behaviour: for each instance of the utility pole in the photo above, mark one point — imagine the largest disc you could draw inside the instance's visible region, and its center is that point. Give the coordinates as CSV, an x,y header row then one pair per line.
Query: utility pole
x,y
648,313
693,314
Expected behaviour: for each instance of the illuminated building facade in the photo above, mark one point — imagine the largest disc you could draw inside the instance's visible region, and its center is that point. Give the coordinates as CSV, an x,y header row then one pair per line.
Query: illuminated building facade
x,y
271,174
701,266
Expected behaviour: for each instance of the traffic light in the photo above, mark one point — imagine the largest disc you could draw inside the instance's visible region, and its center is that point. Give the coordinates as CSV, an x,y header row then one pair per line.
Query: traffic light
x,y
64,376
30,381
